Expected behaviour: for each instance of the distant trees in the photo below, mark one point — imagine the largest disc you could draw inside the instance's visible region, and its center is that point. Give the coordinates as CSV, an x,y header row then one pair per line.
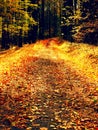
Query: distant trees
x,y
79,19
88,27
16,20
24,21
49,18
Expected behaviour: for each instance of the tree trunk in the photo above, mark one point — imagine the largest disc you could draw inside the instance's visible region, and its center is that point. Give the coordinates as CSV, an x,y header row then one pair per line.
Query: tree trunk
x,y
49,21
20,38
42,20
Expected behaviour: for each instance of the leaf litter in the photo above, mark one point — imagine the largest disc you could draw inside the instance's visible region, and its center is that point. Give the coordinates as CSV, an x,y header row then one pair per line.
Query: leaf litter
x,y
40,92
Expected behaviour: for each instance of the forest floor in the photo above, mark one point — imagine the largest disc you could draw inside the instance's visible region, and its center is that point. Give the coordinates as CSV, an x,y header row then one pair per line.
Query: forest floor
x,y
50,85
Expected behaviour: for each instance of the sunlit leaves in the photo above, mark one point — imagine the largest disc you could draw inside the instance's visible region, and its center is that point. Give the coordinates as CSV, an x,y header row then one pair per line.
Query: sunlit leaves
x,y
38,91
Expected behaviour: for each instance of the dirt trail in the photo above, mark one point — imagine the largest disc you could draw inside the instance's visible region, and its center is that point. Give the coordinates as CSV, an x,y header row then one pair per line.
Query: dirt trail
x,y
44,93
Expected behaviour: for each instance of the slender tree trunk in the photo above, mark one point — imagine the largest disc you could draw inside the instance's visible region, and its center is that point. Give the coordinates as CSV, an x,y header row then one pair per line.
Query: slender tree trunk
x,y
74,7
5,38
78,11
42,20
20,38
5,34
60,15
54,20
0,30
49,21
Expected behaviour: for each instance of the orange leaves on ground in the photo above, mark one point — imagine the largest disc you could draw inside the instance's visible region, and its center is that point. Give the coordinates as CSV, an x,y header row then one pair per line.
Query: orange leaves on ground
x,y
39,91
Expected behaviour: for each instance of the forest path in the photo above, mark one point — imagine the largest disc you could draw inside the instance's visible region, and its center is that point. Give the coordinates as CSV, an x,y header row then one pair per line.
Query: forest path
x,y
40,91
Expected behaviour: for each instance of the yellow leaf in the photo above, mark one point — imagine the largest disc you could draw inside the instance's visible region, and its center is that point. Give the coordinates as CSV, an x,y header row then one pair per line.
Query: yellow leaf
x,y
13,123
97,89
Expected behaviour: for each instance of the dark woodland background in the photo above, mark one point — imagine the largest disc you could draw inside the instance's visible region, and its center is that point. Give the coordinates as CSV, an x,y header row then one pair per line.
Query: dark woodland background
x,y
25,21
